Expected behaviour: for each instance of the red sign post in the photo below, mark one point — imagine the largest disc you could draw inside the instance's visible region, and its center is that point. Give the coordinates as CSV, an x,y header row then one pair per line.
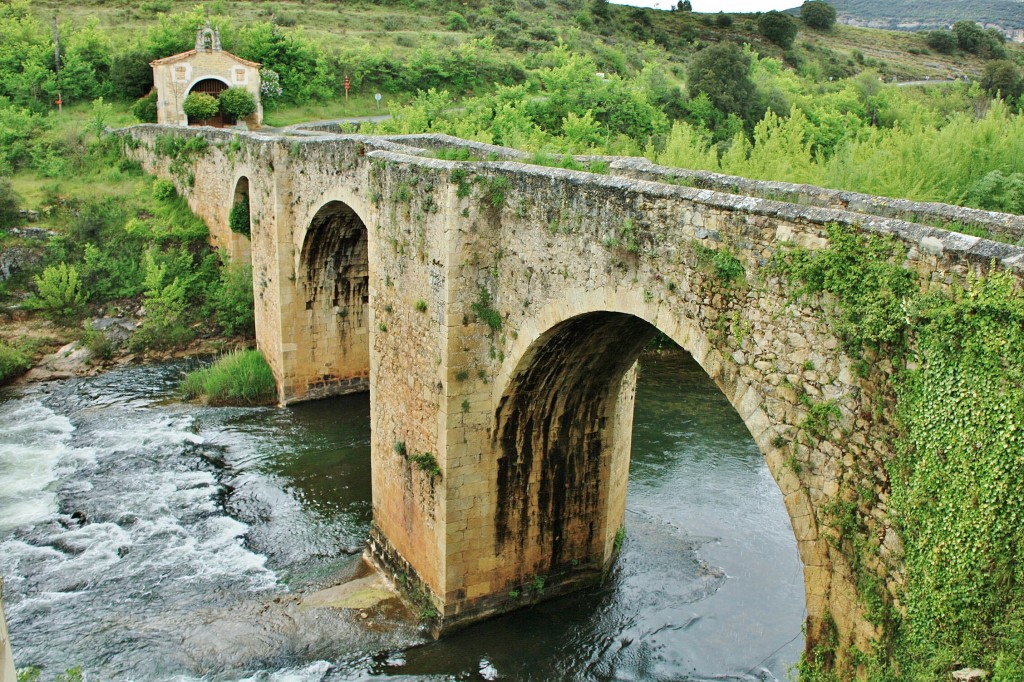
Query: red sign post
x,y
347,86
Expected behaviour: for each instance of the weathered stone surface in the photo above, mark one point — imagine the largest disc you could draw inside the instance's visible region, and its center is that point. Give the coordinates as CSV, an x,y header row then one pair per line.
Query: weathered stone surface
x,y
495,310
69,361
361,593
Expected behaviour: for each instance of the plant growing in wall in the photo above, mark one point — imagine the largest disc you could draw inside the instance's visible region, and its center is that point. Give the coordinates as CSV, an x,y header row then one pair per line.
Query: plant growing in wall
x,y
426,462
200,107
238,218
484,312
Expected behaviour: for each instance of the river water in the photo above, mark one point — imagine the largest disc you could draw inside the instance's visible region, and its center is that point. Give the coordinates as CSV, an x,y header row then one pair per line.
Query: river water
x,y
145,539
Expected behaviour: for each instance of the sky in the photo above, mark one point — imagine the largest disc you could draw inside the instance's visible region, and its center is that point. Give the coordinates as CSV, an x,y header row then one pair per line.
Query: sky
x,y
718,5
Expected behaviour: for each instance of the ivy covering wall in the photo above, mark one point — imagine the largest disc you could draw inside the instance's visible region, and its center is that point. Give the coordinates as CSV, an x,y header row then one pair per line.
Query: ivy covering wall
x,y
957,479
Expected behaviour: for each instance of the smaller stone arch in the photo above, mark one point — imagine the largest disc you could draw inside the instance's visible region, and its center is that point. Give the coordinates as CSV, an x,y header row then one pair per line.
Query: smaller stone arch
x,y
333,289
334,260
240,213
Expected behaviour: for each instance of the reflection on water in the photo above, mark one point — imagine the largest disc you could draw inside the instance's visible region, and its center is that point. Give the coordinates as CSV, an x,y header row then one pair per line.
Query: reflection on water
x,y
149,540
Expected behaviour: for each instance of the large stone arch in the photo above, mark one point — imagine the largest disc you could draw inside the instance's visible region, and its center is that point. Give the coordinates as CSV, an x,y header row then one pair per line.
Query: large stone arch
x,y
562,432
331,315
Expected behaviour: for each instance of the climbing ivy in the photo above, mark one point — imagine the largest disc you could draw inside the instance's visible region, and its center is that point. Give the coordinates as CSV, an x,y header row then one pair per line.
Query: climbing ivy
x,y
958,480
867,279
957,477
182,151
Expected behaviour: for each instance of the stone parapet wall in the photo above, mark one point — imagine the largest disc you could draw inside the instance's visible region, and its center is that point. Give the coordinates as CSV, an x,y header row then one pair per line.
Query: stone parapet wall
x,y
1005,226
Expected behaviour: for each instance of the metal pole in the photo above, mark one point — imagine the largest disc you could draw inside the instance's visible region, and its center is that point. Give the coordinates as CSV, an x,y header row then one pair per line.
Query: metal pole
x,y
7,672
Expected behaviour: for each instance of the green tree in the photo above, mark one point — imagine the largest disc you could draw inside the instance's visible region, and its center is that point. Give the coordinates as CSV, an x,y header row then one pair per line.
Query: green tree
x,y
144,108
818,14
685,6
599,8
943,41
722,73
972,38
1002,76
304,68
60,292
237,102
200,106
131,76
777,27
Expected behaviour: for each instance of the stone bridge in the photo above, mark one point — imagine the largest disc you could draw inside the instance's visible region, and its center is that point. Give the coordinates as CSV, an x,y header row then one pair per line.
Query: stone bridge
x,y
495,310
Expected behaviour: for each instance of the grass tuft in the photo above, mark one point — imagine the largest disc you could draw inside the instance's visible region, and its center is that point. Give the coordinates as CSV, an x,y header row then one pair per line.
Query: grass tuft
x,y
238,378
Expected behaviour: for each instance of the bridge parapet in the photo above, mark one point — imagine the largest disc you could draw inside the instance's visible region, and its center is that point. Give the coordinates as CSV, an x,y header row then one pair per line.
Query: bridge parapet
x,y
1003,227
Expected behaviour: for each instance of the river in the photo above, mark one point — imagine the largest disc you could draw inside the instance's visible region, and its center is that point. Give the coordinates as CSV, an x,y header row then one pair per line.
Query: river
x,y
145,539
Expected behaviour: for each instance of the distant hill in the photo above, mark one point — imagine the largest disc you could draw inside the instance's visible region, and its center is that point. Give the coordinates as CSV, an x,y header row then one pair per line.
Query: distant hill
x,y
917,15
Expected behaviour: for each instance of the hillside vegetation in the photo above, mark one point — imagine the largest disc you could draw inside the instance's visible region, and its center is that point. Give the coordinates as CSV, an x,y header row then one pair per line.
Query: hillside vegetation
x,y
929,14
763,96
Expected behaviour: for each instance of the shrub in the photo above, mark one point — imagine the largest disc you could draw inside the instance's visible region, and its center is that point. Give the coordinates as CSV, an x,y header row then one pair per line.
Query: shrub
x,y
723,20
818,14
144,108
199,106
270,86
238,378
60,292
107,275
237,102
998,191
456,22
13,361
777,27
232,300
97,343
165,306
164,189
9,215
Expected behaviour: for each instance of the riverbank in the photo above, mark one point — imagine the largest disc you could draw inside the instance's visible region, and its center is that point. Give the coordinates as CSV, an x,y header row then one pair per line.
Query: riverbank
x,y
61,352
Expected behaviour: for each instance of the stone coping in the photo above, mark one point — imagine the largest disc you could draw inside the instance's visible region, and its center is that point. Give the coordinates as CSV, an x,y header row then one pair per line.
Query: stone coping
x,y
1006,225
933,240
795,203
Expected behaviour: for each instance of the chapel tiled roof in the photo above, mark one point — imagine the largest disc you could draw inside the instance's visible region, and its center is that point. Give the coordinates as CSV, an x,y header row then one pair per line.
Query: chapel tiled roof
x,y
185,55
